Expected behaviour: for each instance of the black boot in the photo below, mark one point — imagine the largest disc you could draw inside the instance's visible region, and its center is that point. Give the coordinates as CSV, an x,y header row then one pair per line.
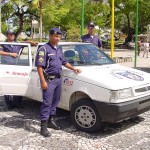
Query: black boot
x,y
44,130
52,123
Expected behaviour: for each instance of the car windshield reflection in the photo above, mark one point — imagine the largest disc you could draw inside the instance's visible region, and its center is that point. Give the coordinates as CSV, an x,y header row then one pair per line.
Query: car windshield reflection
x,y
85,54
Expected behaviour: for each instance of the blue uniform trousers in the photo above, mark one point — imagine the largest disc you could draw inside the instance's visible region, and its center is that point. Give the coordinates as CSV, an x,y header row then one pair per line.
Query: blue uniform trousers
x,y
51,98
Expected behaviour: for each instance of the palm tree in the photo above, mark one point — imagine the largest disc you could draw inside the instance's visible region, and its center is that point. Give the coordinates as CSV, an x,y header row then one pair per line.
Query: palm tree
x,y
39,4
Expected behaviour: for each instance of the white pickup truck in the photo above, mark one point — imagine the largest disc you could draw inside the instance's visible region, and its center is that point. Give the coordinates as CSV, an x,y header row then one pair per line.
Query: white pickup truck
x,y
104,91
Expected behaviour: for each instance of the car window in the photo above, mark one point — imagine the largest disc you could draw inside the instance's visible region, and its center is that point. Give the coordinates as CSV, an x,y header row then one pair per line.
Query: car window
x,y
21,50
85,54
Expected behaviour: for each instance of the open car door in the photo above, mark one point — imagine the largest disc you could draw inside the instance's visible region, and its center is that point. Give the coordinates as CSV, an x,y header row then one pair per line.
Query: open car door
x,y
15,72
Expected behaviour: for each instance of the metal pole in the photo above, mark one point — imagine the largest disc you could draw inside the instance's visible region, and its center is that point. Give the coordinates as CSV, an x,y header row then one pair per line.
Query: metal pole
x,y
82,18
136,35
112,30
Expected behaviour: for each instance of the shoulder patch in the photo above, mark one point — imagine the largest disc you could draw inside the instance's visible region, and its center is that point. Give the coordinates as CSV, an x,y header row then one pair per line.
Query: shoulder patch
x,y
41,53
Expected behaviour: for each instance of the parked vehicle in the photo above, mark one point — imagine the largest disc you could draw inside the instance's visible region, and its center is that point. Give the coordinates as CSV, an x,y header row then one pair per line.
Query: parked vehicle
x,y
104,91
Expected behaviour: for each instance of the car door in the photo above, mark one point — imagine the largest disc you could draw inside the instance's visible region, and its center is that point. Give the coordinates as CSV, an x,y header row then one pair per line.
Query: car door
x,y
15,75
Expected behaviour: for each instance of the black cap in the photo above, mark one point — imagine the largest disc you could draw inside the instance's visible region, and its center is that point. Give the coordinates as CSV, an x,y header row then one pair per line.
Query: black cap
x,y
91,24
55,31
10,32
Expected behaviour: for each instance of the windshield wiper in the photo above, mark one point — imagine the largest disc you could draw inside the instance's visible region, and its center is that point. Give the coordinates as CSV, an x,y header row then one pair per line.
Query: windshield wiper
x,y
97,64
83,62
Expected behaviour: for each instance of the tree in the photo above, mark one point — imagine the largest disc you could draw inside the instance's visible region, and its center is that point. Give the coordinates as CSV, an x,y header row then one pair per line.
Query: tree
x,y
15,11
66,14
125,16
39,4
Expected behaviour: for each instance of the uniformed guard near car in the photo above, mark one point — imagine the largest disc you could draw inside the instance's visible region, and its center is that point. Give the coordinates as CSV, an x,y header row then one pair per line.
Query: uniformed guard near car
x,y
91,37
49,61
9,54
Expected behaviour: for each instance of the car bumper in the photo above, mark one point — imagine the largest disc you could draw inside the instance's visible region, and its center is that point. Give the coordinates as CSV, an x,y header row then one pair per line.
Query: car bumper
x,y
112,112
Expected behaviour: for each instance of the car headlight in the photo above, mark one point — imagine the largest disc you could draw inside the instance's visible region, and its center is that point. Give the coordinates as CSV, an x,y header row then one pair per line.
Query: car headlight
x,y
121,94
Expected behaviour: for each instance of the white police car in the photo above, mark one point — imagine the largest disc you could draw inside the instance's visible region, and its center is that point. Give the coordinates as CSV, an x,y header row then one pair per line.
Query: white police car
x,y
104,91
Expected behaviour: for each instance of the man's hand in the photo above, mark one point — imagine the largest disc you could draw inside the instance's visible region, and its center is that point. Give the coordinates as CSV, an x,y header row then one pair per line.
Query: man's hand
x,y
14,55
33,43
69,66
77,71
44,85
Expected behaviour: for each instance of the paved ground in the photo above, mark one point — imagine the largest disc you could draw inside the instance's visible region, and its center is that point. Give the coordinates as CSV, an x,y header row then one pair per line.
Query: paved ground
x,y
141,61
19,129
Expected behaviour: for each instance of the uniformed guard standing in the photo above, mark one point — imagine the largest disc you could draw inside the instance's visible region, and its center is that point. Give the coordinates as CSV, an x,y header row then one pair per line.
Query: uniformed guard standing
x,y
49,61
91,37
9,54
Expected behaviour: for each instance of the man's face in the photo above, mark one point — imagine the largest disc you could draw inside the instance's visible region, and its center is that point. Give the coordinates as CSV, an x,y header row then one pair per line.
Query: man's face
x,y
91,29
55,38
10,37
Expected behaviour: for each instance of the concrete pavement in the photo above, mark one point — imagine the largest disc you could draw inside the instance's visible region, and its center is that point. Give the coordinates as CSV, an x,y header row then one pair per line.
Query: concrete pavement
x,y
141,61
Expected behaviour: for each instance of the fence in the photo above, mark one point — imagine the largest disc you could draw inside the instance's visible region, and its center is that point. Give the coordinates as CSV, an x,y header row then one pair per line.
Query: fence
x,y
127,58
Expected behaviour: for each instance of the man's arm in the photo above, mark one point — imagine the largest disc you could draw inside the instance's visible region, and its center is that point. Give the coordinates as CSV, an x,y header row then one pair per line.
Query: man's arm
x,y
99,44
8,54
33,43
82,38
69,66
44,85
40,63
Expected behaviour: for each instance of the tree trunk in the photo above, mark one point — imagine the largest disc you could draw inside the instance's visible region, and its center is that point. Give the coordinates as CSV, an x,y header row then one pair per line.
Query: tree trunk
x,y
31,34
40,3
129,37
20,25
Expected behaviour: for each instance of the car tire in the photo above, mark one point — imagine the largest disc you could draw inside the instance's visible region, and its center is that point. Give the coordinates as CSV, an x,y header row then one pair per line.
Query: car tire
x,y
85,116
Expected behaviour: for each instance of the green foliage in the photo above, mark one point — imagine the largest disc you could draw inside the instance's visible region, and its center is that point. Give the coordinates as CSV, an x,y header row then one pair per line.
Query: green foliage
x,y
4,27
66,14
125,15
73,34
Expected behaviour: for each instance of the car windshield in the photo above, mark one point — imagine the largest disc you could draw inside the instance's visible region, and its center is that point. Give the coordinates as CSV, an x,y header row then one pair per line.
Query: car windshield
x,y
85,54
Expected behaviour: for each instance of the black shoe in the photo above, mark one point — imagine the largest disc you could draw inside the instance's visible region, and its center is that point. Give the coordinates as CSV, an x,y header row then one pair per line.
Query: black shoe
x,y
52,123
44,130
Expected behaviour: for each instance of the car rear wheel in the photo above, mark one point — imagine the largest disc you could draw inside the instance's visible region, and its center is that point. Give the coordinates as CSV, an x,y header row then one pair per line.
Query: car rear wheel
x,y
85,117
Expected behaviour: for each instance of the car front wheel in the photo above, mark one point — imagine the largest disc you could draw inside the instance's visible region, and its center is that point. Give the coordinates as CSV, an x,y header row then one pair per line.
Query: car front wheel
x,y
85,117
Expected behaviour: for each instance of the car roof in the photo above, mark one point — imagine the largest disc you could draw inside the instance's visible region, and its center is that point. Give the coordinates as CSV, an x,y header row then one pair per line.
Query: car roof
x,y
68,43
14,43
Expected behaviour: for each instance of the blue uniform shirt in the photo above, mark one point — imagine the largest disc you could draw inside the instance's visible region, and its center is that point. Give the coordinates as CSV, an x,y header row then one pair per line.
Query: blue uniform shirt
x,y
50,58
95,40
10,49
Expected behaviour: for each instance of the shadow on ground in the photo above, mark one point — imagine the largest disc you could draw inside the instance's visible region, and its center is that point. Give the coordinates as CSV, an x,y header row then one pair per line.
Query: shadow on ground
x,y
144,69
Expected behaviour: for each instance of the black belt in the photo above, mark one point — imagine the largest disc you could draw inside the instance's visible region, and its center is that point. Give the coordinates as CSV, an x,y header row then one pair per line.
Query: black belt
x,y
50,77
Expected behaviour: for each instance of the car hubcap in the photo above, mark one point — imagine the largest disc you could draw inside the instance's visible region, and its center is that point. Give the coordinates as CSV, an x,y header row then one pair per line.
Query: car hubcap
x,y
85,116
